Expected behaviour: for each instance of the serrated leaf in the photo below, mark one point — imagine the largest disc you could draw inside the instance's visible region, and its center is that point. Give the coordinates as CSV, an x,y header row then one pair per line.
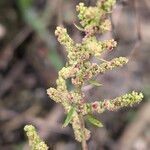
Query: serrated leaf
x,y
94,121
94,82
79,28
69,116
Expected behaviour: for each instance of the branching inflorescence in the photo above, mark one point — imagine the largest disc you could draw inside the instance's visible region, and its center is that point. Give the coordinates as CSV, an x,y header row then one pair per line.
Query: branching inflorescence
x,y
79,69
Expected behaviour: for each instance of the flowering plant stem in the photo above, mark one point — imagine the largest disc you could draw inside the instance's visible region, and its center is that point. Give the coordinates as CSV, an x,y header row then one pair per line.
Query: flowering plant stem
x,y
80,70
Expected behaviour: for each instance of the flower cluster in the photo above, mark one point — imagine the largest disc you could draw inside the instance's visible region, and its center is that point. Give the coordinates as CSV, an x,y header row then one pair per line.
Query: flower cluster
x,y
76,125
34,140
92,69
112,105
94,19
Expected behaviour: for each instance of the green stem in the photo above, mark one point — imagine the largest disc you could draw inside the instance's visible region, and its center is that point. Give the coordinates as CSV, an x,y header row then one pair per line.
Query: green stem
x,y
84,143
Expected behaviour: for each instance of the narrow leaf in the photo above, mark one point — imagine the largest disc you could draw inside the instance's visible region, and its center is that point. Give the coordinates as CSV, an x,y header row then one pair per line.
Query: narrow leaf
x,y
94,121
69,117
103,60
79,28
94,82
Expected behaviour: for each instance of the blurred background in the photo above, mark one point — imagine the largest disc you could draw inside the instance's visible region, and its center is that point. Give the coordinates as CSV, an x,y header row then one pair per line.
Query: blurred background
x,y
30,58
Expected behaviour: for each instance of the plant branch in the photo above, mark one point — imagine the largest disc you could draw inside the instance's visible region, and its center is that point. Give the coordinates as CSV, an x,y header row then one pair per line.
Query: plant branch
x,y
84,143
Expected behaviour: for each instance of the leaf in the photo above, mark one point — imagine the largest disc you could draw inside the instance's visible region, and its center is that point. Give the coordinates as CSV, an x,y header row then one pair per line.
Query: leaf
x,y
94,82
94,121
79,28
69,116
103,60
55,59
25,3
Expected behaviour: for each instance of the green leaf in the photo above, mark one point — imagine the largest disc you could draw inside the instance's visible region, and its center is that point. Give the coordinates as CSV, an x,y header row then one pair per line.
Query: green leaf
x,y
79,28
94,82
55,59
69,116
24,4
94,121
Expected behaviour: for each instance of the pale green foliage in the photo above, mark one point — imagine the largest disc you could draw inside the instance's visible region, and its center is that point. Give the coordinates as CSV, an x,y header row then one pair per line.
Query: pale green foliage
x,y
81,70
